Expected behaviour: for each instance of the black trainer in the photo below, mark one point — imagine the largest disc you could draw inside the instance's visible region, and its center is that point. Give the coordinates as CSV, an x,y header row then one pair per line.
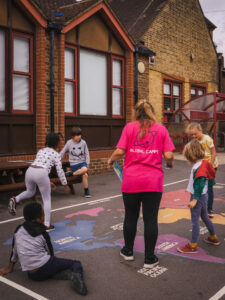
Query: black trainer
x,y
50,228
151,262
87,193
79,284
12,206
126,254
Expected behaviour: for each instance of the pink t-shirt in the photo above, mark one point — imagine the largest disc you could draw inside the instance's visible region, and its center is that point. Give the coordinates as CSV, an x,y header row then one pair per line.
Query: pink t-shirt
x,y
142,169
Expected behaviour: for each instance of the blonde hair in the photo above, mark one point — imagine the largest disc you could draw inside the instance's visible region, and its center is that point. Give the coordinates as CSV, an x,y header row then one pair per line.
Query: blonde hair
x,y
194,151
193,125
144,113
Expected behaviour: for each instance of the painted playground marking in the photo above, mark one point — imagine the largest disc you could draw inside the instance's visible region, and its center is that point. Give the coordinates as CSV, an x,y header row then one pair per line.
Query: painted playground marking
x,y
219,294
87,203
22,289
154,272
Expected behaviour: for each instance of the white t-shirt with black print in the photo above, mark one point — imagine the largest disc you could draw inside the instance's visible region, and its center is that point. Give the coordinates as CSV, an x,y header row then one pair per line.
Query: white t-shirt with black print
x,y
47,158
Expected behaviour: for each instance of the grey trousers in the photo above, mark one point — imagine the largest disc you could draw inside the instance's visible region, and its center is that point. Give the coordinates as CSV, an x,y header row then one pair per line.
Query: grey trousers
x,y
38,177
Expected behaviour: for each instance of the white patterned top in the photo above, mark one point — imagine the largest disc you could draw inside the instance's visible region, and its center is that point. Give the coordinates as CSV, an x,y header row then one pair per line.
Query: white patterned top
x,y
47,158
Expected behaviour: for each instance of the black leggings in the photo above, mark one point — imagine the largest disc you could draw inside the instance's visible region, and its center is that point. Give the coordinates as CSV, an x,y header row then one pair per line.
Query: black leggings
x,y
150,206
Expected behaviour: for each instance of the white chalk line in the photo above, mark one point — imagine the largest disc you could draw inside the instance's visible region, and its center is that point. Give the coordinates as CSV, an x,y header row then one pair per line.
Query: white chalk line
x,y
87,203
218,295
22,289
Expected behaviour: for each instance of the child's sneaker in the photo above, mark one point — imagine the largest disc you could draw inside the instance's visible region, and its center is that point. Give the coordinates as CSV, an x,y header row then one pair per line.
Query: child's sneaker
x,y
68,173
87,193
50,228
12,206
210,213
187,249
151,262
126,254
213,241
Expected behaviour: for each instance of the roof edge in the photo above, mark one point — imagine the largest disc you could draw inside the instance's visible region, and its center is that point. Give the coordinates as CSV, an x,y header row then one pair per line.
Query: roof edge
x,y
33,12
101,7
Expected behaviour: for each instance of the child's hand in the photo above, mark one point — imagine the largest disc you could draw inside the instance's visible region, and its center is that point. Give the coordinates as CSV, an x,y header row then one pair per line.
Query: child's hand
x,y
67,189
5,271
192,203
53,186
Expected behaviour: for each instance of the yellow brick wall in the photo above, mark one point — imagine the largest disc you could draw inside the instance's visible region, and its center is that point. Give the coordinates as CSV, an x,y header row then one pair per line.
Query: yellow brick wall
x,y
178,31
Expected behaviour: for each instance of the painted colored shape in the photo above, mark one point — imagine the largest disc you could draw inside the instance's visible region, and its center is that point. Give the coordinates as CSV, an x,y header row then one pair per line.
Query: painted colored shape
x,y
178,199
170,215
93,212
80,236
168,243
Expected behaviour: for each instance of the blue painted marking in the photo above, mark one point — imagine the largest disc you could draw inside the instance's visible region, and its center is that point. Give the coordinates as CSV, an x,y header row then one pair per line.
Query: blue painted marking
x,y
74,237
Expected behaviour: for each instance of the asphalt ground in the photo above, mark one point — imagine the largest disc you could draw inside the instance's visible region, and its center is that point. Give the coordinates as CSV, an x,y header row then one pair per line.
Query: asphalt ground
x,y
90,230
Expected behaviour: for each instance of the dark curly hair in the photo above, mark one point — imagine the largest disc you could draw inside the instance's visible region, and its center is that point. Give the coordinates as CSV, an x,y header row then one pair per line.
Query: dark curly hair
x,y
32,211
52,140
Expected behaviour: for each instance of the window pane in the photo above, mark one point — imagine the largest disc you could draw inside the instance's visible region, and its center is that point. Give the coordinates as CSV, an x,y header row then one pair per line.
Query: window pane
x,y
166,103
2,70
176,90
166,89
21,54
20,92
117,72
193,92
176,104
69,64
69,97
200,92
93,83
116,102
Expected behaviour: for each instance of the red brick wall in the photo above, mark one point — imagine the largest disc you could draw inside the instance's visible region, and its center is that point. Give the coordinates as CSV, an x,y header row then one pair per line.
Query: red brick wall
x,y
40,87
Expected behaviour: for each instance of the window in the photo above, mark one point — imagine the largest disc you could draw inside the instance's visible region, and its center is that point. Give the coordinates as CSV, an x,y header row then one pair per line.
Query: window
x,y
172,99
93,83
92,92
197,91
70,80
22,76
117,87
2,70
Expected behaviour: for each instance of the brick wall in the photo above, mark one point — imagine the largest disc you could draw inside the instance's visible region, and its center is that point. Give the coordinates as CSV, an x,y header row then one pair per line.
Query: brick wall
x,y
40,87
179,31
143,79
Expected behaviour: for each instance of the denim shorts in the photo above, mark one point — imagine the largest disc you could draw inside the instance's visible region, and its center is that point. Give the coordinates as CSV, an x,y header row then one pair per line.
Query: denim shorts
x,y
76,167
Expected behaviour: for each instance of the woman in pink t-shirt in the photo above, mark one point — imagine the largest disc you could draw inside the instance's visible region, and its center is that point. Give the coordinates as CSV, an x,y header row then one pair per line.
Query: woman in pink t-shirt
x,y
144,143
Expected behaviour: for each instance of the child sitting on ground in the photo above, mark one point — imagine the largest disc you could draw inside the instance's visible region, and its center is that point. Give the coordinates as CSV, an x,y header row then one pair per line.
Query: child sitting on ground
x,y
32,245
202,175
78,157
195,131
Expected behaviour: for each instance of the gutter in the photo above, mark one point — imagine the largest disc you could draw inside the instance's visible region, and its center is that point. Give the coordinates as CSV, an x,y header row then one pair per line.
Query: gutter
x,y
52,27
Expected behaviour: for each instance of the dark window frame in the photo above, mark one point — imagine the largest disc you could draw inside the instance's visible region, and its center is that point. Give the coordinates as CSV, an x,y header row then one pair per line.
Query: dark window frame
x,y
109,56
74,81
197,88
30,74
121,87
169,113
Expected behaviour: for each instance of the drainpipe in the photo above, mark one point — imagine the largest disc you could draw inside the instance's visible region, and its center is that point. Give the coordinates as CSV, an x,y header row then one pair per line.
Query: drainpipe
x,y
136,75
58,28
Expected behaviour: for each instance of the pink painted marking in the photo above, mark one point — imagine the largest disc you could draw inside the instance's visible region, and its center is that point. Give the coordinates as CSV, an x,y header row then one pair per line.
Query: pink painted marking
x,y
90,212
120,209
165,240
170,199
